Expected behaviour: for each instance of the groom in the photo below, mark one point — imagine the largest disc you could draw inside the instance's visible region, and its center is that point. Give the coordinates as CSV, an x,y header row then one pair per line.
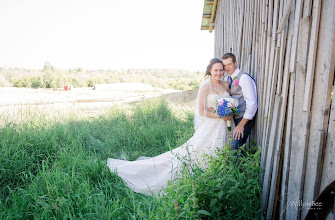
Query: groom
x,y
243,88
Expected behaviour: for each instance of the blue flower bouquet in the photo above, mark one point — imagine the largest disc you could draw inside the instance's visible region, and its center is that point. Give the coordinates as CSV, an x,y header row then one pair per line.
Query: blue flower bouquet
x,y
226,107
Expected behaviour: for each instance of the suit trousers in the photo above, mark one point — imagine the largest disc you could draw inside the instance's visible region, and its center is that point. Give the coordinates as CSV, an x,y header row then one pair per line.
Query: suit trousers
x,y
247,130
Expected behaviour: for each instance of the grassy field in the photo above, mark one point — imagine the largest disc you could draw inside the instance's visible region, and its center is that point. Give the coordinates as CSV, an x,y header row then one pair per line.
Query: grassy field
x,y
55,168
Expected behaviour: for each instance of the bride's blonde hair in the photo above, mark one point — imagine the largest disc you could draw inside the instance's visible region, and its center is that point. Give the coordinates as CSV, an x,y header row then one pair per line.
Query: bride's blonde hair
x,y
210,65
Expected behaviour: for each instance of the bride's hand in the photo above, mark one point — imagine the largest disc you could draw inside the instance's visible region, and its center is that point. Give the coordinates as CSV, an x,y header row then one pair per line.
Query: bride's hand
x,y
210,109
228,118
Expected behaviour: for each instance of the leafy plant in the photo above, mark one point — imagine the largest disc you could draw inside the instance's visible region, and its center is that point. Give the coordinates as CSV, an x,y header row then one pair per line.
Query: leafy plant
x,y
228,188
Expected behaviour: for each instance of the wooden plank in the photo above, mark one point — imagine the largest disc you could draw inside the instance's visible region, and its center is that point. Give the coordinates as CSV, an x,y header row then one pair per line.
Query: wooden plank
x,y
281,47
257,63
250,27
207,15
209,2
243,39
279,131
328,172
222,34
271,91
300,125
268,43
260,87
272,162
298,12
266,80
271,134
283,20
239,27
245,35
218,33
247,45
231,27
222,37
307,8
269,160
287,150
320,104
271,127
297,167
225,26
289,118
254,49
212,24
272,72
312,55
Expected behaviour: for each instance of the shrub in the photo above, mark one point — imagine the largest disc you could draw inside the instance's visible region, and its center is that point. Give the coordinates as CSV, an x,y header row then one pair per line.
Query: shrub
x,y
49,79
228,188
23,82
36,82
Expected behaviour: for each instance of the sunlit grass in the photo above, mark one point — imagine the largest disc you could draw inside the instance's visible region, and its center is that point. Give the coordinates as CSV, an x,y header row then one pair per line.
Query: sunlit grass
x,y
55,167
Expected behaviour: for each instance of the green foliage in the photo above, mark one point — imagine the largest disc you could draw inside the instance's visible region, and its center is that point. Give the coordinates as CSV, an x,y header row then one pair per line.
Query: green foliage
x,y
36,82
48,67
50,77
49,80
22,82
228,188
56,168
94,80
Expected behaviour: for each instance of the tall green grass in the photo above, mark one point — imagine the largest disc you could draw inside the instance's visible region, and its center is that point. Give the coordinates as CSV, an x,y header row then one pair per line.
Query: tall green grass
x,y
56,168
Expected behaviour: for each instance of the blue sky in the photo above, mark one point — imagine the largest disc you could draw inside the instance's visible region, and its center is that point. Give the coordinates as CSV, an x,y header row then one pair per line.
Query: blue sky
x,y
104,34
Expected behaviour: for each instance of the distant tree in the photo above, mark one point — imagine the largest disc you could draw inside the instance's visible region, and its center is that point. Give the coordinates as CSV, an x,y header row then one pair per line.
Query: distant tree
x,y
36,82
48,67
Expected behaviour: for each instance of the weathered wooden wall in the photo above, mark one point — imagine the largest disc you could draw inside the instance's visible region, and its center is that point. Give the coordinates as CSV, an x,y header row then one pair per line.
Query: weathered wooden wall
x,y
288,47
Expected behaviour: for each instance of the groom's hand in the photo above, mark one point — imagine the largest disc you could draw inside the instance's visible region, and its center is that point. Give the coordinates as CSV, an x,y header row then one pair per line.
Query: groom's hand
x,y
238,132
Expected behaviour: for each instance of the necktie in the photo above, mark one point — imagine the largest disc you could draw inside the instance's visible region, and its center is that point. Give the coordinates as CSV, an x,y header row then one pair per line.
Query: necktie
x,y
230,81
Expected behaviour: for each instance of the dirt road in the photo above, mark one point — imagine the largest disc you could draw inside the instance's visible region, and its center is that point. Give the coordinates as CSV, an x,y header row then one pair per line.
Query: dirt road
x,y
87,100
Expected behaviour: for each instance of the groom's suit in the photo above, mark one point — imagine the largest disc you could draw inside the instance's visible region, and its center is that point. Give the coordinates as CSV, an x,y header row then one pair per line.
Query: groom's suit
x,y
242,87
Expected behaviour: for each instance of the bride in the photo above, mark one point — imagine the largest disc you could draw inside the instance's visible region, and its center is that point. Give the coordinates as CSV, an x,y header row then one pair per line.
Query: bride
x,y
150,175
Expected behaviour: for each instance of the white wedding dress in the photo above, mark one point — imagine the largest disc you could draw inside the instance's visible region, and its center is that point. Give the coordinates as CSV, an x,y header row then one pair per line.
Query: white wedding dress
x,y
151,175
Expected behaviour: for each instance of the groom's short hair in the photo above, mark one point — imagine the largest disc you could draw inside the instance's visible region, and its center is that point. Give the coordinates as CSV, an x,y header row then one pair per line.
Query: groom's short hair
x,y
229,55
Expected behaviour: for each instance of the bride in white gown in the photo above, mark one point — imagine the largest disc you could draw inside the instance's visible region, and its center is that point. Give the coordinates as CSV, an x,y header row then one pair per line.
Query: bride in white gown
x,y
150,175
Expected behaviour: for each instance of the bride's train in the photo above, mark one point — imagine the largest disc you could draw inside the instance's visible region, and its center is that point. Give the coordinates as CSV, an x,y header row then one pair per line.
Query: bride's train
x,y
150,175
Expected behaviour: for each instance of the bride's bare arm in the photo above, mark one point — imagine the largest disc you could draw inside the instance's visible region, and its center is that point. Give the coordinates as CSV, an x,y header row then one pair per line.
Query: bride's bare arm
x,y
226,85
203,111
201,101
212,115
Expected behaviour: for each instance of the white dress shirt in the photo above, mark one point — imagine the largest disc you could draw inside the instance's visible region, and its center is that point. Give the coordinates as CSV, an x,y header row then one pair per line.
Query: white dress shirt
x,y
249,92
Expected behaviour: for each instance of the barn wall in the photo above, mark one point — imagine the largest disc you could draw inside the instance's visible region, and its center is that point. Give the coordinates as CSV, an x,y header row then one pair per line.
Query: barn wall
x,y
288,48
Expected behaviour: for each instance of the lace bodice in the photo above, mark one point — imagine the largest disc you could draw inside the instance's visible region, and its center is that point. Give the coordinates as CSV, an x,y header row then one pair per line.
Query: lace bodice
x,y
213,97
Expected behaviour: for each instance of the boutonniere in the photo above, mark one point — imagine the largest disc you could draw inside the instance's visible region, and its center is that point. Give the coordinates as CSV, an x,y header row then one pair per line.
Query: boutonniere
x,y
235,80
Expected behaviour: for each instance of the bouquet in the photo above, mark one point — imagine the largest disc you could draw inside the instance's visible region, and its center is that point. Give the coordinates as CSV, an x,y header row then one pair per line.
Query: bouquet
x,y
227,106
